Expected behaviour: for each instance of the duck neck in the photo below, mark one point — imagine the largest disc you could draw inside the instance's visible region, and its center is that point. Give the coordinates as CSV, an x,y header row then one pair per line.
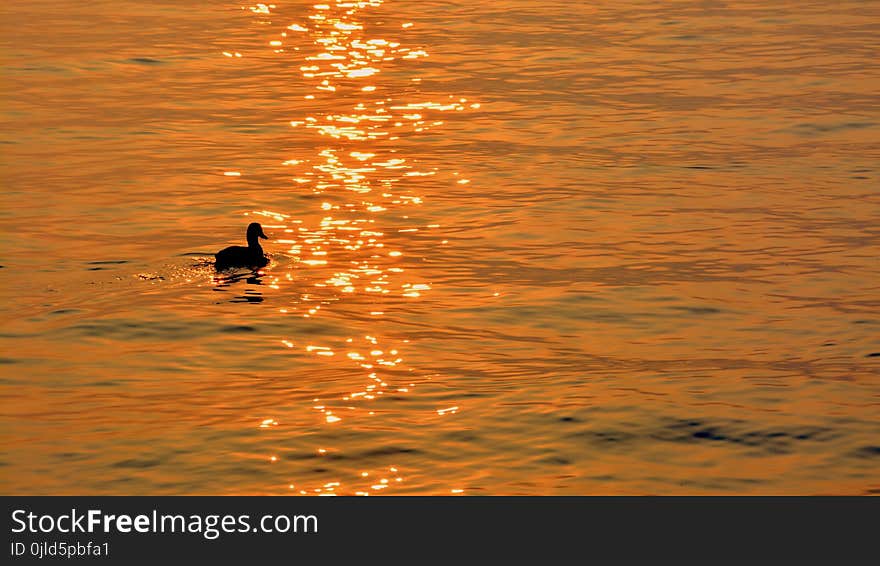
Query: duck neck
x,y
254,245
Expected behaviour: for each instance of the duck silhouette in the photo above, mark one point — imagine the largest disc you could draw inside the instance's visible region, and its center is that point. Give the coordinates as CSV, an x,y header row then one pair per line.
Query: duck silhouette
x,y
241,256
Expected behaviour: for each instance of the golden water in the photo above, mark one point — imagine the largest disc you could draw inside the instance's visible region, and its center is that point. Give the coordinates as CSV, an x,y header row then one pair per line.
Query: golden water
x,y
517,247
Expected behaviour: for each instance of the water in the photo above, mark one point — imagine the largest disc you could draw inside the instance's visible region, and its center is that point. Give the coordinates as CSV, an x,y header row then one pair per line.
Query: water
x,y
559,248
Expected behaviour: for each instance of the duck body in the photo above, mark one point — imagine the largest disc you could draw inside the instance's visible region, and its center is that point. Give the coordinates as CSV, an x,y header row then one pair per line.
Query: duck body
x,y
240,256
244,256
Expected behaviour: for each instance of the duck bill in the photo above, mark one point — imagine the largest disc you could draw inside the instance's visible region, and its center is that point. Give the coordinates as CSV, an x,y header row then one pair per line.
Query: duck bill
x,y
264,236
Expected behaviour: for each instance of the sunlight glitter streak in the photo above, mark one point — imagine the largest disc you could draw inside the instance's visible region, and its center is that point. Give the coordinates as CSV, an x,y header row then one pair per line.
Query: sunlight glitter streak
x,y
348,255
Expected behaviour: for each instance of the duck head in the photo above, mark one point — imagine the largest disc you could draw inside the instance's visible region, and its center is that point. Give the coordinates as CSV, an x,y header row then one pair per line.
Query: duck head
x,y
254,232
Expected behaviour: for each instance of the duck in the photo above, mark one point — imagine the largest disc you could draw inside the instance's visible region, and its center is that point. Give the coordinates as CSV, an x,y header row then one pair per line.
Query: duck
x,y
241,256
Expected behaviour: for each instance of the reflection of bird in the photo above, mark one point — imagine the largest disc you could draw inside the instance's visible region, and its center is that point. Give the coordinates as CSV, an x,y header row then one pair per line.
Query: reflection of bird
x,y
240,256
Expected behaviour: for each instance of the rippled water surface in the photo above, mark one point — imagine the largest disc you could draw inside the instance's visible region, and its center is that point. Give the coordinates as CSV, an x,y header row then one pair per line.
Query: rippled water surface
x,y
517,247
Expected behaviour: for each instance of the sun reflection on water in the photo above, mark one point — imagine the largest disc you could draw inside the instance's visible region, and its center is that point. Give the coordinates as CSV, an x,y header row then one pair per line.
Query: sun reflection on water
x,y
361,178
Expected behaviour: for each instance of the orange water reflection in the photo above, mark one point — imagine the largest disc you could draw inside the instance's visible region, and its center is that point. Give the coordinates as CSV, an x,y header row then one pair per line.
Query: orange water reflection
x,y
648,266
